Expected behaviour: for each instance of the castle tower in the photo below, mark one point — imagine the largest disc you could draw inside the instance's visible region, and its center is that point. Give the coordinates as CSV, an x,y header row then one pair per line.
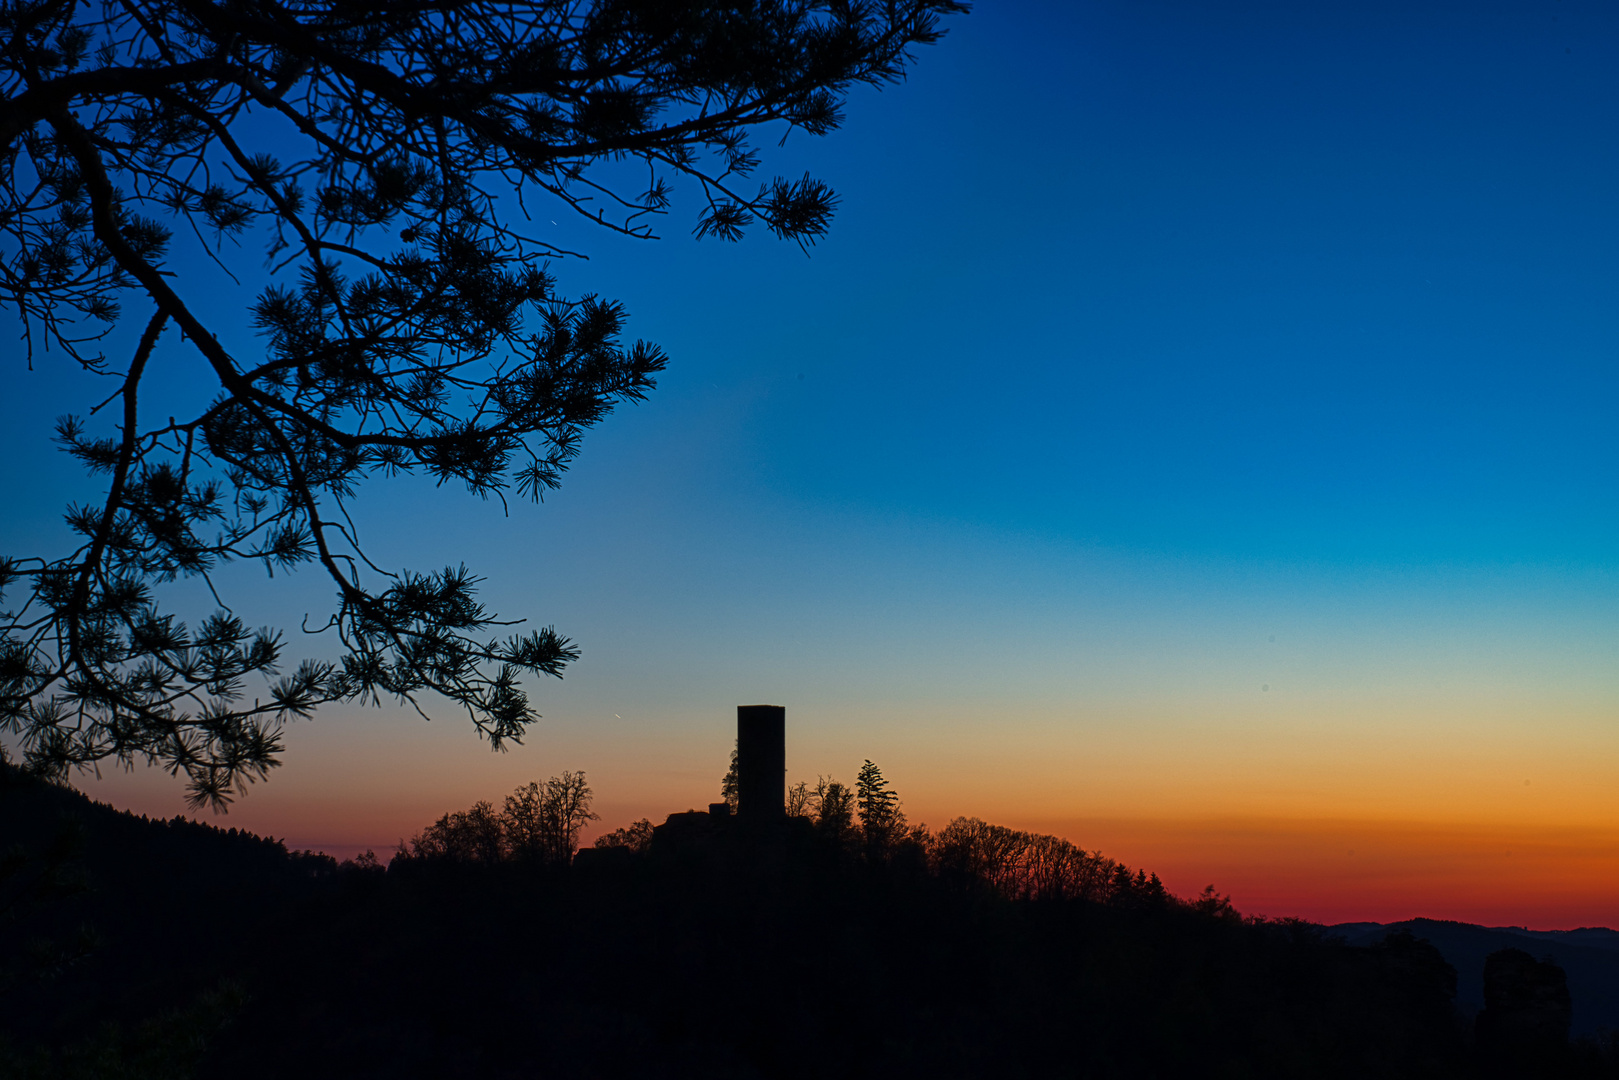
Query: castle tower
x,y
761,762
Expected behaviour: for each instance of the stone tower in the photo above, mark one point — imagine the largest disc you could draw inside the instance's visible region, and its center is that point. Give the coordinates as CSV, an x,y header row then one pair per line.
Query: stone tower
x,y
761,762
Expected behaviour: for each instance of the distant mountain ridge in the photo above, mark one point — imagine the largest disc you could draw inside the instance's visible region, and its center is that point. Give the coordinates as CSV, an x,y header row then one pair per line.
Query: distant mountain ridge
x,y
1589,956
1597,937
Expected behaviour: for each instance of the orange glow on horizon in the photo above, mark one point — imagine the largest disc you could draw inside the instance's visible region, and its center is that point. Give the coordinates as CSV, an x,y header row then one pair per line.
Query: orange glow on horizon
x,y
1439,814
1332,871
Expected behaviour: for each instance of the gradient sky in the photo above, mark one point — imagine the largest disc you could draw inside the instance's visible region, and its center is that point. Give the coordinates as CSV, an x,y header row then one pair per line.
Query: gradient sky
x,y
1195,438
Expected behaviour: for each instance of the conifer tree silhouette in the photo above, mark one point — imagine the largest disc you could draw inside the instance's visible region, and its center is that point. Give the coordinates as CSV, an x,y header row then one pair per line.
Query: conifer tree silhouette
x,y
387,156
881,822
730,785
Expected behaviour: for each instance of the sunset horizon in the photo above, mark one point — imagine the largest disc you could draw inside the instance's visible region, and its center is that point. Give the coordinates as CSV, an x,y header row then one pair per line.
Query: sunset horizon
x,y
1161,455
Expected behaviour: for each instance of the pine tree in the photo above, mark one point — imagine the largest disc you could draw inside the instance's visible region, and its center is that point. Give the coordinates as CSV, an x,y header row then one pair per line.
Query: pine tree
x,y
730,786
881,822
387,158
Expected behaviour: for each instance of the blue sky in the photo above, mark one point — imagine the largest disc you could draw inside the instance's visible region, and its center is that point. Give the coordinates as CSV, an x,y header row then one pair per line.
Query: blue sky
x,y
1249,283
1193,394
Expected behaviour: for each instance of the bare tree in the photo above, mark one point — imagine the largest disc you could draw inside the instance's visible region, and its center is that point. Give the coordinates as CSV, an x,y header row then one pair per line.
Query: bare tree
x,y
800,801
543,822
1034,866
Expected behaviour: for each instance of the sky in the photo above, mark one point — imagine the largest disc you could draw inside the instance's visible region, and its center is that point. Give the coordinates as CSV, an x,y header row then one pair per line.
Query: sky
x,y
1194,438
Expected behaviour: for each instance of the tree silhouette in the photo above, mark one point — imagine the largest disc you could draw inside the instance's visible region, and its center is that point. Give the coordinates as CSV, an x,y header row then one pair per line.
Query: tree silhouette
x,y
1034,866
881,822
543,823
730,785
408,323
636,836
476,835
834,808
538,822
800,801
1527,1011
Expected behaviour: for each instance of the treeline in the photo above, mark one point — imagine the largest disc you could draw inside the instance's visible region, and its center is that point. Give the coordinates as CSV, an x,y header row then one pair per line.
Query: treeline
x,y
538,823
867,823
541,823
851,943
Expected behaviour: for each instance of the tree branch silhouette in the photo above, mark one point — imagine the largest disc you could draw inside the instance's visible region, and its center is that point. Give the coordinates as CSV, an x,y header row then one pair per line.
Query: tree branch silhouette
x,y
407,323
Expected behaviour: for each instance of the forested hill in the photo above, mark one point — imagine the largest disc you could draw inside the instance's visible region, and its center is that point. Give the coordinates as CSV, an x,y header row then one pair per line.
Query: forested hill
x,y
702,950
113,918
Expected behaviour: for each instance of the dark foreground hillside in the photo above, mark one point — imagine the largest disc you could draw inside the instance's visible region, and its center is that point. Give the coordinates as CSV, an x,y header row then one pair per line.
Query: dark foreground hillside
x,y
718,952
1589,957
